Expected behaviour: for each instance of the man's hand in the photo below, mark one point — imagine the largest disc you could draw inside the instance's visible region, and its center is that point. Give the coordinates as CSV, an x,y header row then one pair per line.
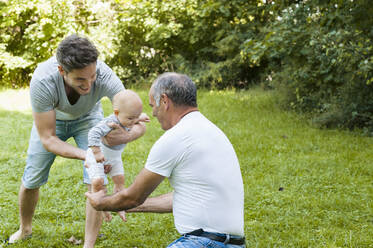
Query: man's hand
x,y
89,159
144,117
120,136
96,199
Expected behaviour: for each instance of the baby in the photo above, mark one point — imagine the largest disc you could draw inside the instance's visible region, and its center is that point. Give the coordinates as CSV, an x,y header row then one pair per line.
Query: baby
x,y
127,107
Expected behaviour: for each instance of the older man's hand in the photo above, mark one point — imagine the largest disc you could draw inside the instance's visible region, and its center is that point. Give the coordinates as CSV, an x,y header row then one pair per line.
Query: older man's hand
x,y
119,135
96,199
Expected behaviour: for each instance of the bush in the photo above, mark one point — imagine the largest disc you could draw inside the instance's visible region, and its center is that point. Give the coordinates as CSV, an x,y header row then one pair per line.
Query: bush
x,y
320,57
31,31
317,54
201,39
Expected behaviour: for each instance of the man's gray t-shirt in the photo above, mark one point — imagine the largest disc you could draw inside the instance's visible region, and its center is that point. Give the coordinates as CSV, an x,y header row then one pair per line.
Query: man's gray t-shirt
x,y
47,91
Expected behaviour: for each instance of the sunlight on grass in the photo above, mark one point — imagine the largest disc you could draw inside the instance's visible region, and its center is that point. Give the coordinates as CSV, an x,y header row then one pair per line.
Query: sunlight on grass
x,y
304,186
15,100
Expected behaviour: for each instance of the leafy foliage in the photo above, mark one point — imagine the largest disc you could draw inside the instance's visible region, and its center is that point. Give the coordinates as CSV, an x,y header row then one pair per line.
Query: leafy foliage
x,y
31,31
200,38
319,54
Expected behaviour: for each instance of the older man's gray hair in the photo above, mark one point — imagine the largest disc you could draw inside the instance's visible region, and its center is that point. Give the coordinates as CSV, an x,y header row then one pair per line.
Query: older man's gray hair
x,y
178,87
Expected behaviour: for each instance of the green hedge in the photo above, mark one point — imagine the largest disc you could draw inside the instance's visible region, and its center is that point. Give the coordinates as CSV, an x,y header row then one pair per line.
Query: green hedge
x,y
320,57
32,29
200,38
316,54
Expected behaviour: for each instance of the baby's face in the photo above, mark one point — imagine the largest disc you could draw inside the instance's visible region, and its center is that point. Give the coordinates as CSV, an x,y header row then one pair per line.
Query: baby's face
x,y
129,117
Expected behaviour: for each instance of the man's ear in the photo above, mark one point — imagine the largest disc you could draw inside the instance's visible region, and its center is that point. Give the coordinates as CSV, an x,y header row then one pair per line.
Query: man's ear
x,y
61,70
165,100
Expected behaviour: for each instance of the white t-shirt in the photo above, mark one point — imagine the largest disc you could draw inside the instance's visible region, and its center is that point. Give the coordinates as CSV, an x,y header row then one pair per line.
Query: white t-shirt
x,y
203,169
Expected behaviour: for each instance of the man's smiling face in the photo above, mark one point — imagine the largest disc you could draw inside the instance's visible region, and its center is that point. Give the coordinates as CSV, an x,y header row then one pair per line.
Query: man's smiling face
x,y
80,80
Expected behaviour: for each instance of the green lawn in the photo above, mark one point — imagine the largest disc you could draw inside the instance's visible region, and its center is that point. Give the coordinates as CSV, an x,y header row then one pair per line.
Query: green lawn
x,y
304,187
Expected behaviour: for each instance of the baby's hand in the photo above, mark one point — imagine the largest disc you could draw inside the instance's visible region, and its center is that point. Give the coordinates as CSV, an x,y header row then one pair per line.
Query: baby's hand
x,y
107,168
99,156
144,117
94,169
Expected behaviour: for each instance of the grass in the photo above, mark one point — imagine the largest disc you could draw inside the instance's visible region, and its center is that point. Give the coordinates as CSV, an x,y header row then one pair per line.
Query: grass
x,y
304,187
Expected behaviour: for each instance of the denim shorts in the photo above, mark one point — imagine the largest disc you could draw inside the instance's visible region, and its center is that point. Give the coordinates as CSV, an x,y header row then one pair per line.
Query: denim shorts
x,y
39,160
191,241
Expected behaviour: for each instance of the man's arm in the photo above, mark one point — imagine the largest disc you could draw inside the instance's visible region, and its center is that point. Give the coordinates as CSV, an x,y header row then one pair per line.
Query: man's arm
x,y
46,125
131,197
120,136
157,204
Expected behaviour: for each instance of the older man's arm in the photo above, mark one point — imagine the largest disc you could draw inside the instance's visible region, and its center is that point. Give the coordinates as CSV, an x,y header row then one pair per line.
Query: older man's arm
x,y
135,195
157,204
120,136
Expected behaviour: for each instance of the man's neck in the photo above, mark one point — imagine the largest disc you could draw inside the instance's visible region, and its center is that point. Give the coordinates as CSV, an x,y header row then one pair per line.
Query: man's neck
x,y
181,113
71,94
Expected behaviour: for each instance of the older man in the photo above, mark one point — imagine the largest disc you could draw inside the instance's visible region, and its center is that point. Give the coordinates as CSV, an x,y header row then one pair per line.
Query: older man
x,y
201,165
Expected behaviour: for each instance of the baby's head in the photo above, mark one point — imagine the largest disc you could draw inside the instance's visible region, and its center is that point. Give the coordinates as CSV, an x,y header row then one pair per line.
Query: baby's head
x,y
127,106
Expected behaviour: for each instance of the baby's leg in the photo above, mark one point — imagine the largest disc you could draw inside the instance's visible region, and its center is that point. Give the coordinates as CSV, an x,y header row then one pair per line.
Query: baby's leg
x,y
107,216
118,186
118,182
95,171
114,158
97,184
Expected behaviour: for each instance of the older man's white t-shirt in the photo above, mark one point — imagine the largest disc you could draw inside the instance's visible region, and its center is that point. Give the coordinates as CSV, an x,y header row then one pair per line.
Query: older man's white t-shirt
x,y
204,171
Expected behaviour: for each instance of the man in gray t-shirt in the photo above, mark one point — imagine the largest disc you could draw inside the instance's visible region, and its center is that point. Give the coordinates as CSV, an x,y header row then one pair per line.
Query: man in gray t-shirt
x,y
65,94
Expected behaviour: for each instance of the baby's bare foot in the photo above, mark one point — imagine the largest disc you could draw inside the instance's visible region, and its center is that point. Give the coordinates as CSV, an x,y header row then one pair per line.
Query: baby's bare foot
x,y
107,216
122,215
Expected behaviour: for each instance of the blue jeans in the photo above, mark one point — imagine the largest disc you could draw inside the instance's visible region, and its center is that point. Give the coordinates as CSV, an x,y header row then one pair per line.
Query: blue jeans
x,y
190,241
39,160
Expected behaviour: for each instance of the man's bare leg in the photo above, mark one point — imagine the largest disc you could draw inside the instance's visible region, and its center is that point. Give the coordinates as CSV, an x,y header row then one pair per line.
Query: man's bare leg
x,y
27,200
93,224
